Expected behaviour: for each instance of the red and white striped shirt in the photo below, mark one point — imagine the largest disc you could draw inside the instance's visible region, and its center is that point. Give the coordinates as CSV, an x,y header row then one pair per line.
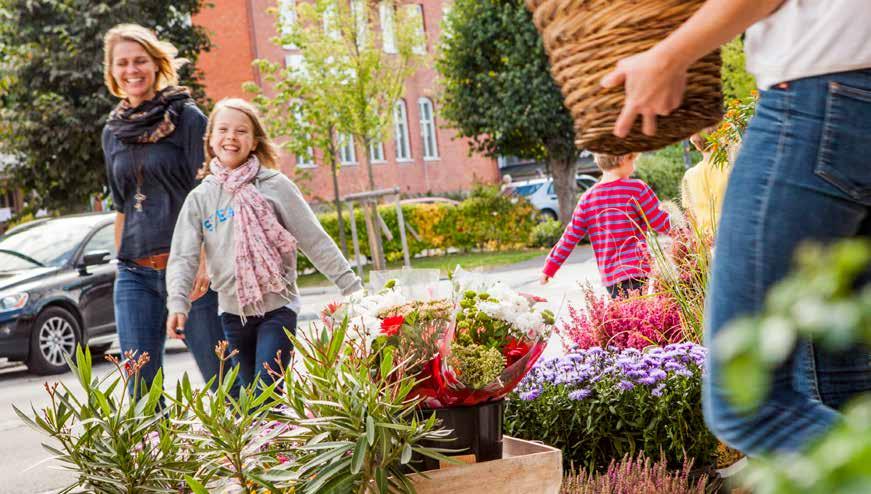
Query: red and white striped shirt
x,y
615,215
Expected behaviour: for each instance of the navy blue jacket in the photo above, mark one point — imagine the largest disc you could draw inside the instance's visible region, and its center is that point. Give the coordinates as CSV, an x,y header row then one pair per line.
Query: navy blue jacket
x,y
168,168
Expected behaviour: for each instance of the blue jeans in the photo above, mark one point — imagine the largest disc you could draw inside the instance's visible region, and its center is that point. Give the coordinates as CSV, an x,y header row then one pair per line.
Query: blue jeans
x,y
803,174
140,314
258,341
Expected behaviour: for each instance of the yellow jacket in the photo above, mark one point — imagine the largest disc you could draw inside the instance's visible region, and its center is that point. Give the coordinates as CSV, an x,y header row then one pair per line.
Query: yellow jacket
x,y
702,191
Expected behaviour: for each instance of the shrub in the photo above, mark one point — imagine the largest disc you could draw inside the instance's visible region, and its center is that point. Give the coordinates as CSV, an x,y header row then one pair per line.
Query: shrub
x,y
635,475
597,405
632,322
546,234
486,220
663,171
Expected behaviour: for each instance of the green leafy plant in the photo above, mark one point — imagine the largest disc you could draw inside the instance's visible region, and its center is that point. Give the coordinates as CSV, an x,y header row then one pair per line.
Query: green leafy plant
x,y
663,173
828,300
231,440
357,426
546,234
597,405
114,443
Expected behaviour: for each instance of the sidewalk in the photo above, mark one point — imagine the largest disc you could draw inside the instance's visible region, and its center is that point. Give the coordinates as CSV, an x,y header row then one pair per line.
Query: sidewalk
x,y
562,290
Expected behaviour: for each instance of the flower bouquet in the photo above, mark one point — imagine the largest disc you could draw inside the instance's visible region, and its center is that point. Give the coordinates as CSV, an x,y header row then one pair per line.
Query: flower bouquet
x,y
471,347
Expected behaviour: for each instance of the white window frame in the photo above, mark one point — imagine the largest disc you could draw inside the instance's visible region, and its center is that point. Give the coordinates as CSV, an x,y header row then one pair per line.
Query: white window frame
x,y
416,14
360,12
400,130
286,19
306,160
388,27
428,135
347,150
331,22
376,152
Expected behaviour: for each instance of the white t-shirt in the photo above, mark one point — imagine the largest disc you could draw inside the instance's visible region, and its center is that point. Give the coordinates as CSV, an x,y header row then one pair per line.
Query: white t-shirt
x,y
804,38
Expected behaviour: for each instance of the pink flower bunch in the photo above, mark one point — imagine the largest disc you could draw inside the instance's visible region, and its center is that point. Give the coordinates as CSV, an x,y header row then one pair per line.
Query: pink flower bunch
x,y
633,322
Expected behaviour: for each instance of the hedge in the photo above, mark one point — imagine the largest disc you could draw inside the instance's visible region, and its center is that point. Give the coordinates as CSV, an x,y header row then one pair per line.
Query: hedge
x,y
487,220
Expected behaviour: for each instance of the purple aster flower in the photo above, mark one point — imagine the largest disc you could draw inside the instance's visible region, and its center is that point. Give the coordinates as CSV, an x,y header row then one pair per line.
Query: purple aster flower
x,y
531,394
648,381
579,394
626,385
657,391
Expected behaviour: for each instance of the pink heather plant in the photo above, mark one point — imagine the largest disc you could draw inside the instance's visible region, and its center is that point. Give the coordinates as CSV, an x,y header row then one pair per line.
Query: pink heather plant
x,y
633,322
636,475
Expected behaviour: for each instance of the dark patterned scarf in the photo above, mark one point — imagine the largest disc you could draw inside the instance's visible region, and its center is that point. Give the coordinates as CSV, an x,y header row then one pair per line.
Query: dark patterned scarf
x,y
152,120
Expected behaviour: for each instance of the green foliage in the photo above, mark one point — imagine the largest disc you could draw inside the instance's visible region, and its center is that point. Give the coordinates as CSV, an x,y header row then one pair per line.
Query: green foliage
x,y
115,444
55,104
827,299
662,171
546,234
737,82
362,428
498,91
486,220
611,423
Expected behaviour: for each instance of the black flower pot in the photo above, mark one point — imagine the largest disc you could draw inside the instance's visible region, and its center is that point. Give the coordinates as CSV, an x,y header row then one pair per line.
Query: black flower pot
x,y
476,430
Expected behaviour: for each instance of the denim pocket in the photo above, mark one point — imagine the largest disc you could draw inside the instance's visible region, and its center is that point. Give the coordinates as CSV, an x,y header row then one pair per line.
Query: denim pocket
x,y
845,150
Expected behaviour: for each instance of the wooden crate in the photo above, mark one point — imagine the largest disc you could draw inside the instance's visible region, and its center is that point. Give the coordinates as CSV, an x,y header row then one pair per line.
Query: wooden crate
x,y
525,468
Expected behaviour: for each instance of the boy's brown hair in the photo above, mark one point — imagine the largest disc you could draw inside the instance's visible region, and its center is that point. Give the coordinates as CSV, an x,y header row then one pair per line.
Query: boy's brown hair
x,y
607,162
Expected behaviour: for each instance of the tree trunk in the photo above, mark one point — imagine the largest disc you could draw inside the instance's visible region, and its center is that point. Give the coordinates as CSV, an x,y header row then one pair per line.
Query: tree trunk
x,y
343,243
373,226
563,172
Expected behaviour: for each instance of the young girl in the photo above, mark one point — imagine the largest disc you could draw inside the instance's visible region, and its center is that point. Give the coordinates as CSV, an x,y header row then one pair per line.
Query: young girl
x,y
249,219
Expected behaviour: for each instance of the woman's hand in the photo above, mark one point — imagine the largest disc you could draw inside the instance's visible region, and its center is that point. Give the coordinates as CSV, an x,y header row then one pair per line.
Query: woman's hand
x,y
175,326
201,281
654,85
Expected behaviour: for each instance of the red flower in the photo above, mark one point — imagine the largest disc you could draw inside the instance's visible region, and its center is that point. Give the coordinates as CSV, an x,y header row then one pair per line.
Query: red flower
x,y
390,325
533,299
515,350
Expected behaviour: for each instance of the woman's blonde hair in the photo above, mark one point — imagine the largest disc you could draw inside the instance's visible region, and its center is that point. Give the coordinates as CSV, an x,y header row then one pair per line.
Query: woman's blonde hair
x,y
265,150
162,52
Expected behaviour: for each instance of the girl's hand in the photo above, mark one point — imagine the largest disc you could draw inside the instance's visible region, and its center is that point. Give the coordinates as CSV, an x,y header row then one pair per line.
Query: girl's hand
x,y
544,279
175,326
654,84
201,281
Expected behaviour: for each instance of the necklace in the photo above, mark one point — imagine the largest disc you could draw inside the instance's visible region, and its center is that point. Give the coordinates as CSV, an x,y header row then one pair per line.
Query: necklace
x,y
140,177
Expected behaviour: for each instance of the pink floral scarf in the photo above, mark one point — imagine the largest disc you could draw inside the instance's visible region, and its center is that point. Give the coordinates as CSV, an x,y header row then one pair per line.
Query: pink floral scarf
x,y
259,237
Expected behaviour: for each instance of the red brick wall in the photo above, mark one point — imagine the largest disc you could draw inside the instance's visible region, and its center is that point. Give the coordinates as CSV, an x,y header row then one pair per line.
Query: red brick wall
x,y
229,65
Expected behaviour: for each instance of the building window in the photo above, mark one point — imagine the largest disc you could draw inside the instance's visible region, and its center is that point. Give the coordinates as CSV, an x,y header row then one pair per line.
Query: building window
x,y
306,160
361,21
428,129
388,29
415,13
400,119
376,152
331,22
286,19
347,153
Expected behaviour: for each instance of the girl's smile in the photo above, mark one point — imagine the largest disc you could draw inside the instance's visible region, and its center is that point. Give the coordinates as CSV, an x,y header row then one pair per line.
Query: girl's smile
x,y
232,138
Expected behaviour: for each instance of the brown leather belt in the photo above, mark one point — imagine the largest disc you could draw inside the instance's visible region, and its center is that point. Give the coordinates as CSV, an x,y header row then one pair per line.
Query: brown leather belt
x,y
157,261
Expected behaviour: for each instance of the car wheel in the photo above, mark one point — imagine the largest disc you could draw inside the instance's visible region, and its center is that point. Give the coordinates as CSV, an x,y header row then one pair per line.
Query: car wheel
x,y
546,214
55,334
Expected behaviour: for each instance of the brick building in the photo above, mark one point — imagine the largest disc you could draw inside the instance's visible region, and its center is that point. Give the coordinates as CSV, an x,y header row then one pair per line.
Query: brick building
x,y
424,158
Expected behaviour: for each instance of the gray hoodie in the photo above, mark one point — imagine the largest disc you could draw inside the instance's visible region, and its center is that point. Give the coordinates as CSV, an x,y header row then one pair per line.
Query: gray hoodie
x,y
206,219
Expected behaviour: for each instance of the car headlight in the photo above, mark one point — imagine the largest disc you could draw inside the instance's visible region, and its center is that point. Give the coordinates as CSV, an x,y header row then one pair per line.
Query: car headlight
x,y
13,301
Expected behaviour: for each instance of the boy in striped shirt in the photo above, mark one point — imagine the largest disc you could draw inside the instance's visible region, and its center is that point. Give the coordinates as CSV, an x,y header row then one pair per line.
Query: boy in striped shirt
x,y
615,213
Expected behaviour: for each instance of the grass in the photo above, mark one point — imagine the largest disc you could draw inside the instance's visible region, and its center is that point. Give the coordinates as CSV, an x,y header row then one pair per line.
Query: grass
x,y
472,260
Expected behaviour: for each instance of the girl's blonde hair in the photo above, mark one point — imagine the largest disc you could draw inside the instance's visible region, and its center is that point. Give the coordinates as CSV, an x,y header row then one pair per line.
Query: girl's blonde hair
x,y
162,52
265,150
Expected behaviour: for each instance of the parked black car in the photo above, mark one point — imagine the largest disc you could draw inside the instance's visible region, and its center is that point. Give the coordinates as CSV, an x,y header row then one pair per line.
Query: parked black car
x,y
56,284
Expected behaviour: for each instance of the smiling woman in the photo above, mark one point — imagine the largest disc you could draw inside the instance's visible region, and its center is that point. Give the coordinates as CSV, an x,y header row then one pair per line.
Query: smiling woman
x,y
153,145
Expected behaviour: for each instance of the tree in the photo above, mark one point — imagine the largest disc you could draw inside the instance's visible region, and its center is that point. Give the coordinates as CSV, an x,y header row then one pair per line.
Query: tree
x,y
347,81
55,103
498,90
737,82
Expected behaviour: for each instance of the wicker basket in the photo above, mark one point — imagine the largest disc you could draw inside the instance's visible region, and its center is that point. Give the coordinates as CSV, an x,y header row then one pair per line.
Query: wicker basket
x,y
585,39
